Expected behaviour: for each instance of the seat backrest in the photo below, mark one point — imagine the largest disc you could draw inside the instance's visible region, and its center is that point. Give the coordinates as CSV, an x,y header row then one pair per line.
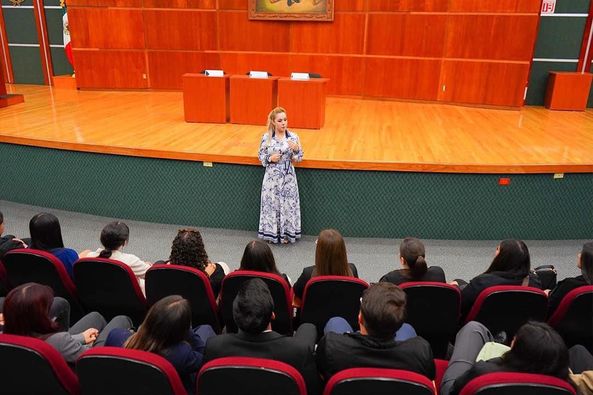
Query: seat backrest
x,y
517,384
109,287
573,318
112,370
189,282
37,266
279,288
507,307
378,382
248,376
325,297
31,366
432,308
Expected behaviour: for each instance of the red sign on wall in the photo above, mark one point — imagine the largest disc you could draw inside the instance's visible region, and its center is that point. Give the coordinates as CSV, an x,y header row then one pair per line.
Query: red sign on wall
x,y
548,6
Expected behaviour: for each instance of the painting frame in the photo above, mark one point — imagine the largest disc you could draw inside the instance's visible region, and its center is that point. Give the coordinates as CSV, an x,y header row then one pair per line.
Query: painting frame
x,y
291,10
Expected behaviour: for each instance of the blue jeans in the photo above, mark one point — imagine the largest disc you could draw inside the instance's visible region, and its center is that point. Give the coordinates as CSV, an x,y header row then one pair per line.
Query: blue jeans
x,y
340,325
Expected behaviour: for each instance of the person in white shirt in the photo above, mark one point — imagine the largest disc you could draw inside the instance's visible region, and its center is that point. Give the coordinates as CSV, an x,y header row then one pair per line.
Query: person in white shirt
x,y
114,238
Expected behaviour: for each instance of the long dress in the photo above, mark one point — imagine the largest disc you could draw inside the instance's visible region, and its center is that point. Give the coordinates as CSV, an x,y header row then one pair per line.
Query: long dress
x,y
280,213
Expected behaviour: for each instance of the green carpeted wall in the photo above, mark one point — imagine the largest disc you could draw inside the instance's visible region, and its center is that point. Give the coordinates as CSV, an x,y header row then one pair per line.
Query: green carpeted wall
x,y
358,203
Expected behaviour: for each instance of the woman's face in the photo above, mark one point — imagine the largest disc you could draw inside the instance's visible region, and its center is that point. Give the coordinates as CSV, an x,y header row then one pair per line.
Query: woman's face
x,y
280,122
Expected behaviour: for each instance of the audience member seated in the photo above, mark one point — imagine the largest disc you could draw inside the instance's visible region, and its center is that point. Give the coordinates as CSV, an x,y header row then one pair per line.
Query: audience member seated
x,y
412,259
166,331
253,311
188,250
536,348
382,312
258,257
46,235
330,260
585,263
510,266
8,242
27,313
59,312
114,238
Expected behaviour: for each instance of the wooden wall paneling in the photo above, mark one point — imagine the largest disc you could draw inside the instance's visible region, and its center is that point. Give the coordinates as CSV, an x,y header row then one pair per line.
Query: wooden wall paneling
x,y
508,37
4,52
232,5
110,69
104,3
416,79
238,33
171,29
490,83
518,6
194,4
406,34
349,5
345,35
106,28
243,62
167,67
43,39
345,73
409,5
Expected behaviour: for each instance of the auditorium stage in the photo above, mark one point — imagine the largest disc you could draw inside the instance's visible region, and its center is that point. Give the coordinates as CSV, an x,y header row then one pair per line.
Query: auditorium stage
x,y
358,134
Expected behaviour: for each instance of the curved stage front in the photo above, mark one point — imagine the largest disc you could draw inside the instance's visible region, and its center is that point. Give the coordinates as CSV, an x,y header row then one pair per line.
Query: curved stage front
x,y
376,169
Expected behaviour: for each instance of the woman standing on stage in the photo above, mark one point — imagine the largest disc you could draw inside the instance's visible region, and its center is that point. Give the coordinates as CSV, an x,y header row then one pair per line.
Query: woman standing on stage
x,y
280,213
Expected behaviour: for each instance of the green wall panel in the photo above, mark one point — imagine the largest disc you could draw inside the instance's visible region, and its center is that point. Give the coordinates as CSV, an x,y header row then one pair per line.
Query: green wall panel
x,y
53,19
559,37
20,25
359,203
572,7
60,62
26,65
538,80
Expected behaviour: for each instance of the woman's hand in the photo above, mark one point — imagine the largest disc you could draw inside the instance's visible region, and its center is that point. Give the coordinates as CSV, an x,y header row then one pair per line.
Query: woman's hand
x,y
293,146
90,335
274,158
210,268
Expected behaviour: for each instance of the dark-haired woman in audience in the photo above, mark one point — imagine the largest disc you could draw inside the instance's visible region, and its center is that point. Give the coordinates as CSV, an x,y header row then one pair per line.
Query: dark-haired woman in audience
x,y
46,235
166,331
188,250
585,263
27,313
412,258
510,266
536,348
114,237
330,260
258,257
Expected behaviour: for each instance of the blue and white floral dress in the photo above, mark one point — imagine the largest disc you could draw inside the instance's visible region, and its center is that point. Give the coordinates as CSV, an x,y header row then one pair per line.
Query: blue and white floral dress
x,y
280,213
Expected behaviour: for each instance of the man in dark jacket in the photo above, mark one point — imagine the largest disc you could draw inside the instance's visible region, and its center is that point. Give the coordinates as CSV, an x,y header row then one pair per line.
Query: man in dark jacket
x,y
382,312
253,311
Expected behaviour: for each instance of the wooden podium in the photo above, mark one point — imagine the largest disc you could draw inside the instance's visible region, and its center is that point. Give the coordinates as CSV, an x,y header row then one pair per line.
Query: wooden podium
x,y
304,101
205,98
568,90
252,99
7,99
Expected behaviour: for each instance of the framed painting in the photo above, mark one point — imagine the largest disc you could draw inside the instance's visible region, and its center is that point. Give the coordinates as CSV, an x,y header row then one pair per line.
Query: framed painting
x,y
292,10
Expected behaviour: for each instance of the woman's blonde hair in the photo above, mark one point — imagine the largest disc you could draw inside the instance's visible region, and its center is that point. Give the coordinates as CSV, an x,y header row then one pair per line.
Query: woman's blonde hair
x,y
271,118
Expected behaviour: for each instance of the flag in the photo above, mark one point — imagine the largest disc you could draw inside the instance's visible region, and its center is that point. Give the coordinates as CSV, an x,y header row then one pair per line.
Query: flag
x,y
66,33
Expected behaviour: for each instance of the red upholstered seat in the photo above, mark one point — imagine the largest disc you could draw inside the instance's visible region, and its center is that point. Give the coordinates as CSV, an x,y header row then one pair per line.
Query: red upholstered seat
x,y
517,384
573,318
378,382
31,366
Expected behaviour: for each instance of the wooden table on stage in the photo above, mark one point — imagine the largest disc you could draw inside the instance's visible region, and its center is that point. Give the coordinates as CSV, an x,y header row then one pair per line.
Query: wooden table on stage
x,y
568,90
304,101
252,99
205,99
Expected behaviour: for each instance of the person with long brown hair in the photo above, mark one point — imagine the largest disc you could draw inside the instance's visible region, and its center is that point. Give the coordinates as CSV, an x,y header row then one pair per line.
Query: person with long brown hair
x,y
331,259
27,313
258,257
167,331
280,210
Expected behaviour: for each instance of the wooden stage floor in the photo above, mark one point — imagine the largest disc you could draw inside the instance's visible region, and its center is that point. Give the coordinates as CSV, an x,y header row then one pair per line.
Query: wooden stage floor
x,y
358,134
